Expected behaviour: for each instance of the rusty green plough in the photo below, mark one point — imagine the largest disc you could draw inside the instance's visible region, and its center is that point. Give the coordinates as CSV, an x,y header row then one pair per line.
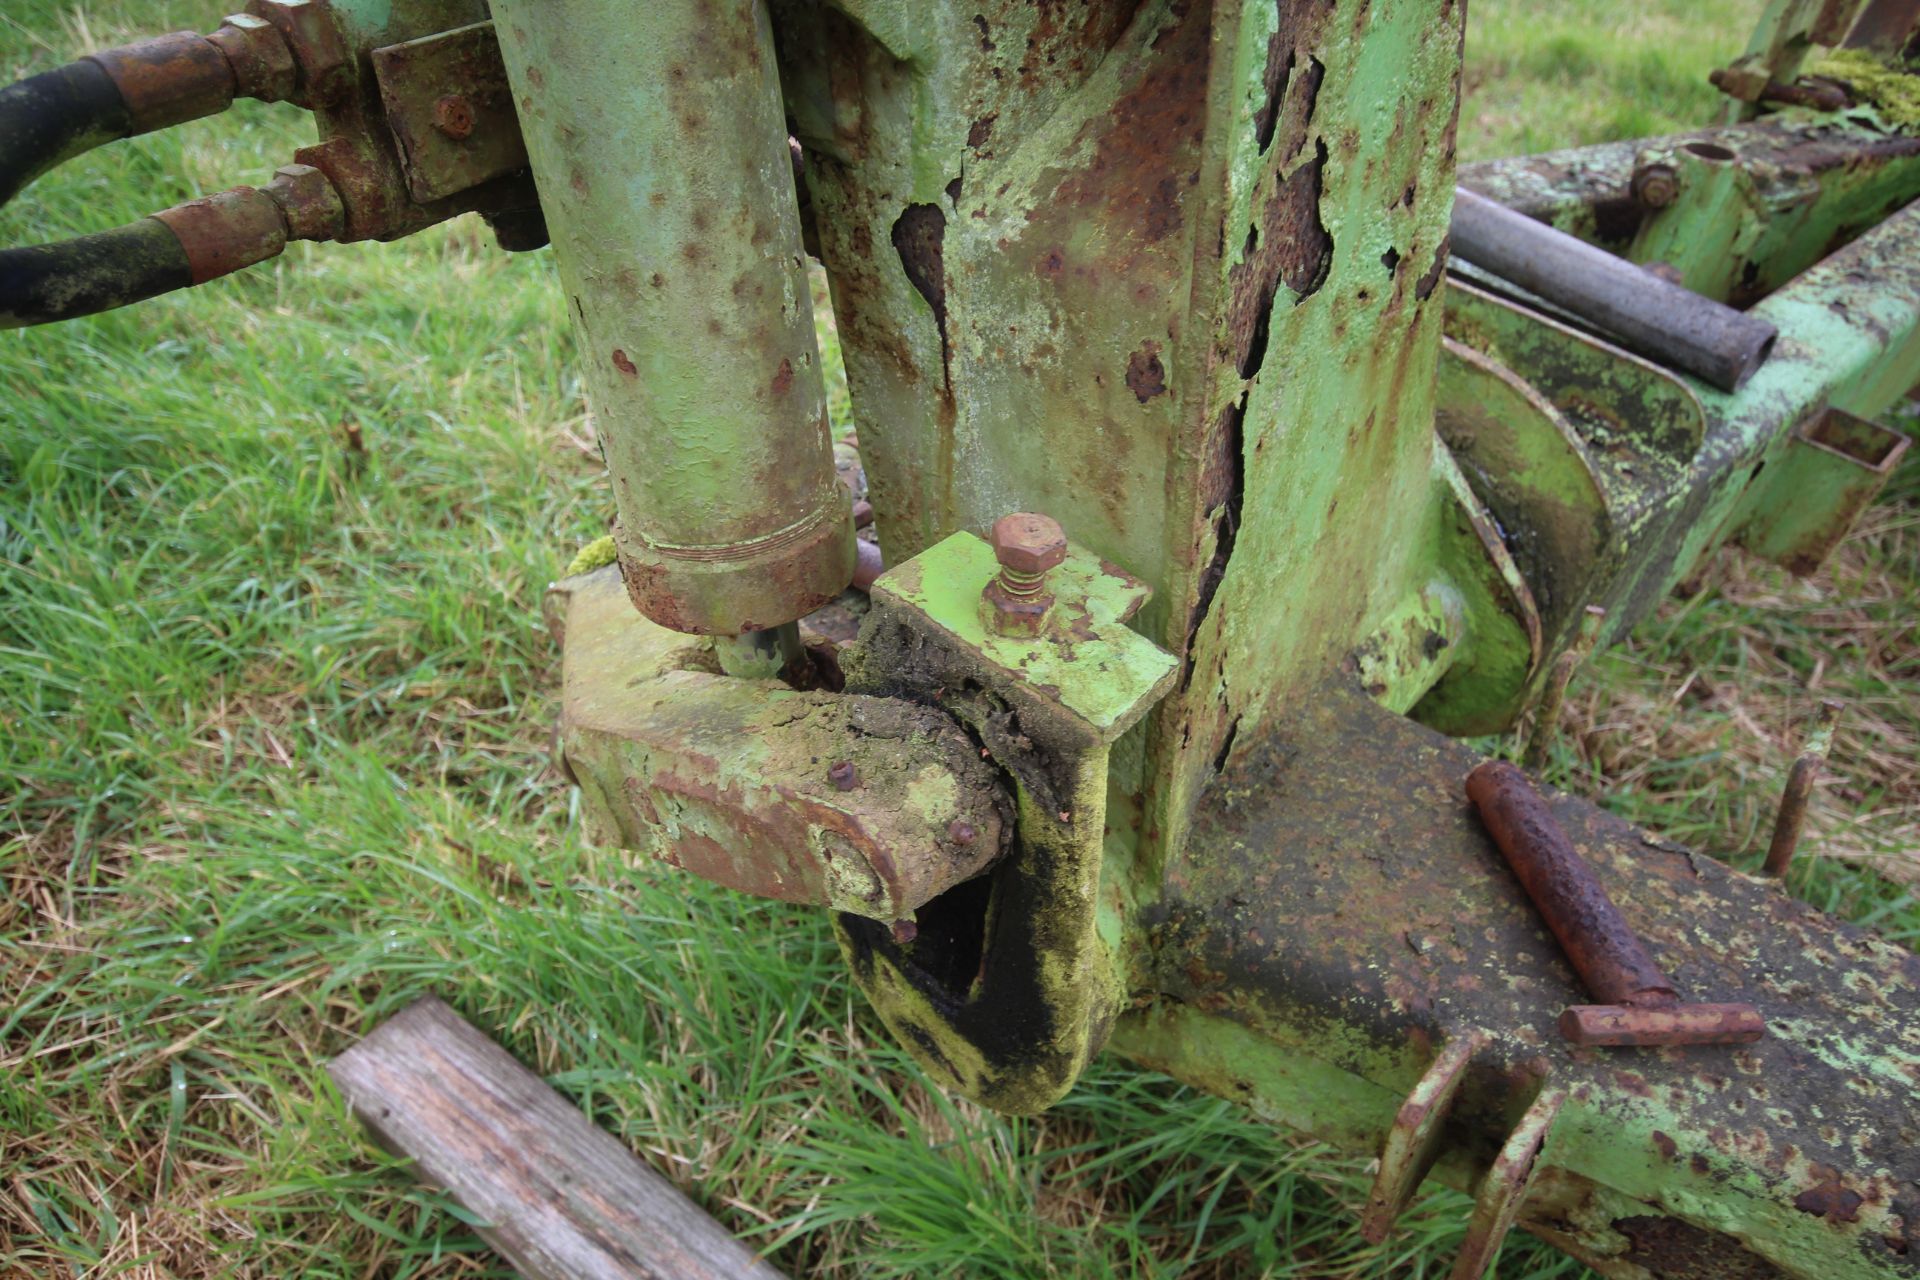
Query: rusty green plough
x,y
1172,769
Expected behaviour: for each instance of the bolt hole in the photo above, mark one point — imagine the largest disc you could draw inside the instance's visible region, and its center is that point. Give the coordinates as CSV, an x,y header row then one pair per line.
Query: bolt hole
x,y
1709,151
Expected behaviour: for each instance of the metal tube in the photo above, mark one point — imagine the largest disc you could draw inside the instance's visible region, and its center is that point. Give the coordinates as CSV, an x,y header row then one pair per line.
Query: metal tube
x,y
1792,817
1643,313
1620,1026
658,142
1612,961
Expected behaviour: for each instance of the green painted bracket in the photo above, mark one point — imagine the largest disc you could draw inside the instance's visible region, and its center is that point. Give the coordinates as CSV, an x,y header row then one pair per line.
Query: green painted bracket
x,y
1087,665
1832,468
1007,990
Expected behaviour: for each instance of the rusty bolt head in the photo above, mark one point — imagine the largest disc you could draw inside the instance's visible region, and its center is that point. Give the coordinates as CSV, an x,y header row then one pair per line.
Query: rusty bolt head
x,y
1028,544
843,775
961,832
453,116
262,64
1656,185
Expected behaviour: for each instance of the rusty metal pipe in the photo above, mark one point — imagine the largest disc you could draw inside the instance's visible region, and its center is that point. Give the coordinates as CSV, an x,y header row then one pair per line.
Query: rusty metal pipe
x,y
661,154
1610,958
1801,778
1643,313
1626,1026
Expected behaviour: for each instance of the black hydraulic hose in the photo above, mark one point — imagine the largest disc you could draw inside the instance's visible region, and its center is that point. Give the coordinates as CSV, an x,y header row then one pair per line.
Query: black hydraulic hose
x,y
47,282
55,116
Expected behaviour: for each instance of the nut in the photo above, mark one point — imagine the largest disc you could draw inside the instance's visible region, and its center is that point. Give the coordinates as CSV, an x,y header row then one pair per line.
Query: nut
x,y
325,69
1011,613
1027,544
309,203
262,64
1656,185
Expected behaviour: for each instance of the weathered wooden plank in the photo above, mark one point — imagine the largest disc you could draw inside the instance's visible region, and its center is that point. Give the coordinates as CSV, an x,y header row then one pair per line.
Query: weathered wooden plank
x,y
565,1200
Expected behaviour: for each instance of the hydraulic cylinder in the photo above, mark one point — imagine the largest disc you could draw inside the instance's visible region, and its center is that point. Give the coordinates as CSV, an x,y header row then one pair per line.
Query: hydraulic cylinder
x,y
659,146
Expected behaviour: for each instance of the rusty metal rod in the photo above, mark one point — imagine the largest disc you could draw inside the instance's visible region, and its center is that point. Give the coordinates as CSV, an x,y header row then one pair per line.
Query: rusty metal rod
x,y
1604,950
1617,1025
1792,818
1643,313
1643,1008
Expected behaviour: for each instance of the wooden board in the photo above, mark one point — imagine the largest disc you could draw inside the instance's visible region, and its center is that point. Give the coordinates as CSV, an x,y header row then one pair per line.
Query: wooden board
x,y
565,1200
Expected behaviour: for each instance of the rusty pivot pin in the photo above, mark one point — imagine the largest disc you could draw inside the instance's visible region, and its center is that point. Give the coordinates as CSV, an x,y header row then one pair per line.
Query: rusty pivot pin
x,y
1639,1005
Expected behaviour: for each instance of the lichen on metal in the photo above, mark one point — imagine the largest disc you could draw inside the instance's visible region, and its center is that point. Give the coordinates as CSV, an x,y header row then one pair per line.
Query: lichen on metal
x,y
1176,275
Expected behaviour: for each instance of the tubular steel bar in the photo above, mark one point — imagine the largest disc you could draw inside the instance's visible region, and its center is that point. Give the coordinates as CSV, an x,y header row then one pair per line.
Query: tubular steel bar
x,y
660,152
1648,316
1609,956
1642,1006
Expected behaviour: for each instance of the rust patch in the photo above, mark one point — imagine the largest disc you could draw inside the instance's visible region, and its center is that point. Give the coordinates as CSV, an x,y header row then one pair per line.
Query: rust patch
x,y
919,236
1289,244
1671,1247
1146,376
1830,1200
783,377
624,364
1223,486
1161,115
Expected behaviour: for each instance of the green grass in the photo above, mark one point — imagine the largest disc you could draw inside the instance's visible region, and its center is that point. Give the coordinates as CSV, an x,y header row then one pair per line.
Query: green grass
x,y
274,712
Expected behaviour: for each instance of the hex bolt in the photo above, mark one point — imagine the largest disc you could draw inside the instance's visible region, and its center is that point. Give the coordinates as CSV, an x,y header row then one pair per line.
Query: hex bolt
x,y
1787,824
1027,545
453,116
1655,185
843,775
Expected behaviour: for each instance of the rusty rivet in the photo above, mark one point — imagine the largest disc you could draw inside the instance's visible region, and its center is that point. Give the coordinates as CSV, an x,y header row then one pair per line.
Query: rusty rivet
x,y
453,116
961,832
843,775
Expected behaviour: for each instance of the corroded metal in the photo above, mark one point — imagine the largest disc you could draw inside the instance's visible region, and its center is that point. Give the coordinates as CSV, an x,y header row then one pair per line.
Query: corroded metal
x,y
1833,467
1011,984
1340,913
1169,272
1605,951
1801,779
1617,1025
660,150
167,80
1414,1142
730,779
1026,545
1497,1200
451,111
